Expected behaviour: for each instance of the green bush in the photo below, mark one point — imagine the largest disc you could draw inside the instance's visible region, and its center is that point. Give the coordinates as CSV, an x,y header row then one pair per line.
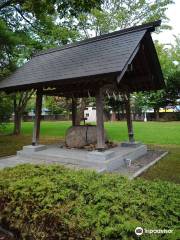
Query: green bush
x,y
52,202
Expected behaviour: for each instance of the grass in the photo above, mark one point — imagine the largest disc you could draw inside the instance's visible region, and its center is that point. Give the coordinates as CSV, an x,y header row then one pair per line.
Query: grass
x,y
147,132
10,144
168,168
164,135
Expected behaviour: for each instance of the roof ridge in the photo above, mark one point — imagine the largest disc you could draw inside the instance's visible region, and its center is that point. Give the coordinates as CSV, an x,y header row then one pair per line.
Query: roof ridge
x,y
150,26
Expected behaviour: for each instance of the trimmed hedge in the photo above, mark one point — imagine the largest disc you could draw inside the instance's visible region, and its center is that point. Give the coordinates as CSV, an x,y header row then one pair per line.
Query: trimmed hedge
x,y
52,202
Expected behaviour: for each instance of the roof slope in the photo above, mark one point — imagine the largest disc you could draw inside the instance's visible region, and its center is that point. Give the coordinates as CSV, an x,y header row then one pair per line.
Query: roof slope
x,y
102,55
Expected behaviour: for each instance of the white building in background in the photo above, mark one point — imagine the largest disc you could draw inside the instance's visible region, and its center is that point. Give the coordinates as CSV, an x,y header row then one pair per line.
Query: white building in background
x,y
90,114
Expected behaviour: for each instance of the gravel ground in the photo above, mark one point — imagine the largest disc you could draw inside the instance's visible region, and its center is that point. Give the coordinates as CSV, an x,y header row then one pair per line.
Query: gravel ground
x,y
140,163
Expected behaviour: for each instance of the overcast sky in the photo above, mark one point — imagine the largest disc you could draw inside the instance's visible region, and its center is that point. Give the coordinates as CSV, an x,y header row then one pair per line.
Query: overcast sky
x,y
173,13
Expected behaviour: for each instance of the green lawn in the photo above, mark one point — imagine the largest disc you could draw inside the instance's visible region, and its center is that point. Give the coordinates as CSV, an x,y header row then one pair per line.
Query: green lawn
x,y
147,132
168,168
164,135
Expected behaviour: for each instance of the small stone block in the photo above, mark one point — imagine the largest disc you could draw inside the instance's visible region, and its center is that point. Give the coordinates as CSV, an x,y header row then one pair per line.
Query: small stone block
x,y
32,149
131,144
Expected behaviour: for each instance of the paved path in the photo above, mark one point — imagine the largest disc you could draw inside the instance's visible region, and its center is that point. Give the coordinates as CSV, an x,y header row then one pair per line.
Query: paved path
x,y
11,161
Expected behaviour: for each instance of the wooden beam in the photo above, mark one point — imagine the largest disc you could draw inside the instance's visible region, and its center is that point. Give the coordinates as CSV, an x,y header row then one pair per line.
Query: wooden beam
x,y
100,120
74,111
37,120
69,94
129,118
120,76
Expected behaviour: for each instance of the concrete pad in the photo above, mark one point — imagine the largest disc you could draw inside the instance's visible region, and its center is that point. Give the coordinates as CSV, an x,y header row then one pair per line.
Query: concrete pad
x,y
130,153
108,160
31,148
141,164
101,156
138,165
131,144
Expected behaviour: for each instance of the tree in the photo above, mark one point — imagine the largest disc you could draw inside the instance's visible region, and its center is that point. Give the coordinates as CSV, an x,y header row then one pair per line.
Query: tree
x,y
19,103
169,57
6,109
56,105
115,104
117,15
10,42
27,26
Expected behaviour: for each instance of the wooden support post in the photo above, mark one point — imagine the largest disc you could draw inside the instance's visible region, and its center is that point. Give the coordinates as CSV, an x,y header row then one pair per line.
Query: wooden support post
x,y
37,119
129,119
74,111
99,120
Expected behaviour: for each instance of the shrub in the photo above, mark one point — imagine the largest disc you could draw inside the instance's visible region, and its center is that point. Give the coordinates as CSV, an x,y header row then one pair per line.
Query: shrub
x,y
52,202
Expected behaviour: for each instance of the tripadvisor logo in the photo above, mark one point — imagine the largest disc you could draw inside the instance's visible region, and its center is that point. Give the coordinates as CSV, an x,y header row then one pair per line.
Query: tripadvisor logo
x,y
139,231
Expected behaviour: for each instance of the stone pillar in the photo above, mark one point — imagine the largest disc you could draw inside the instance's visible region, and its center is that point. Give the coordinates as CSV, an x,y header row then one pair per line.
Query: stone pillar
x,y
74,111
129,119
37,120
99,120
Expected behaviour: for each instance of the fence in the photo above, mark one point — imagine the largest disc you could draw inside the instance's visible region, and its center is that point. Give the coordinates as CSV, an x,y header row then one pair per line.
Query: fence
x,y
53,117
163,116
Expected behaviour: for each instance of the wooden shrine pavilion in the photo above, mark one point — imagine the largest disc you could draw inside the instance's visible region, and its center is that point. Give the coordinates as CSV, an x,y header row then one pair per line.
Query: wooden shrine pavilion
x,y
124,61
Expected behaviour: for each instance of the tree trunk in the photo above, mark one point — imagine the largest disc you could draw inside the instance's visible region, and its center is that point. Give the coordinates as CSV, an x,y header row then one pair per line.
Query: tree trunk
x,y
113,116
123,112
20,101
156,113
17,122
17,118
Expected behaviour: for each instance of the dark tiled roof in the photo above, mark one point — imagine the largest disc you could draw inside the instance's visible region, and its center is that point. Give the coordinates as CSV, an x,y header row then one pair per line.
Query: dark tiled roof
x,y
102,55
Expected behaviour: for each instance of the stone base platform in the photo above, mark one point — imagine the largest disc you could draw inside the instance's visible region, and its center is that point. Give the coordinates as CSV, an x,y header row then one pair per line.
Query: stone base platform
x,y
106,161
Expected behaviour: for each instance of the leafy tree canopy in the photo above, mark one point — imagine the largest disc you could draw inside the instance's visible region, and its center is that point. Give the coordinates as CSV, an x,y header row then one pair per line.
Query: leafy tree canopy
x,y
169,57
27,26
117,14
